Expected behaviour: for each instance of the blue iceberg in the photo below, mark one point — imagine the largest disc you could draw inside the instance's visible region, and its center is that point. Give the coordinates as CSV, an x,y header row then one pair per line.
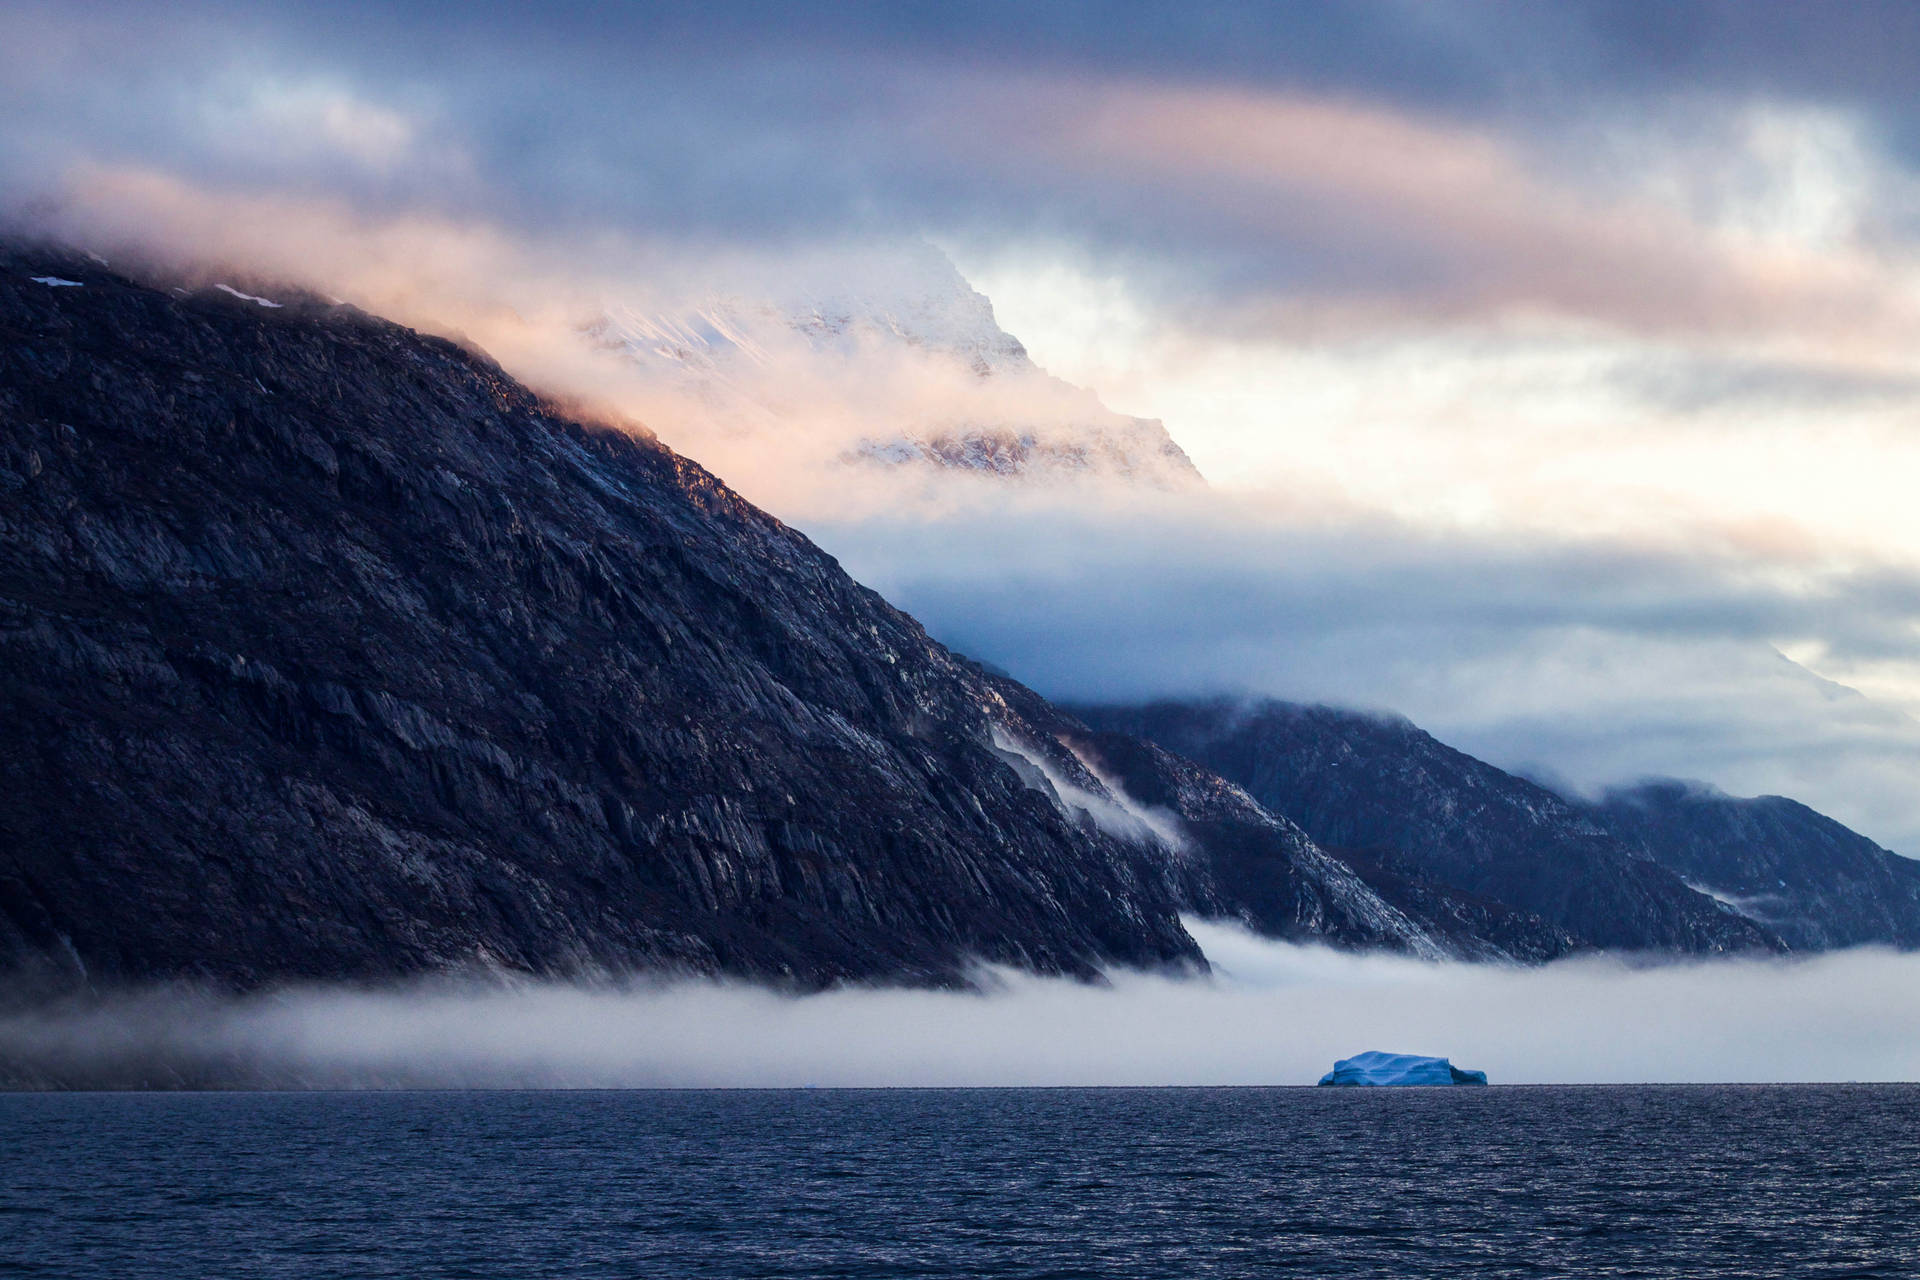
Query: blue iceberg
x,y
1375,1068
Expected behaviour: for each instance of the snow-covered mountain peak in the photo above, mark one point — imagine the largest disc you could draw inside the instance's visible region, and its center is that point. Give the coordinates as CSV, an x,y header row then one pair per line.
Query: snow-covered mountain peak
x,y
897,361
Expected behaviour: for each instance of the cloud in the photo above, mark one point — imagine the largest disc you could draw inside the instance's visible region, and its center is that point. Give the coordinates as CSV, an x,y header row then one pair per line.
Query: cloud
x,y
1274,1014
1692,385
1323,208
1336,176
1116,812
1591,660
1542,406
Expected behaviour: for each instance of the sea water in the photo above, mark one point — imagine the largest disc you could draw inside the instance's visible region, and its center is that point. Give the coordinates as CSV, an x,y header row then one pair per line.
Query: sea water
x,y
1694,1181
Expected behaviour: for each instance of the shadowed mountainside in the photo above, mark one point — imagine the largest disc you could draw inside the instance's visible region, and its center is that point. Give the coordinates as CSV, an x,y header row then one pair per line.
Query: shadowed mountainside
x,y
1816,883
326,650
1434,823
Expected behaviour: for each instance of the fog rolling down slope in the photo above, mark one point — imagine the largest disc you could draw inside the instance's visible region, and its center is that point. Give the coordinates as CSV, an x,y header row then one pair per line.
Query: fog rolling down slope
x,y
328,651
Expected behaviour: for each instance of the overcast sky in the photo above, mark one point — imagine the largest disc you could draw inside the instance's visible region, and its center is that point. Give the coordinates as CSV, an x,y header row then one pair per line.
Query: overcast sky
x,y
1554,366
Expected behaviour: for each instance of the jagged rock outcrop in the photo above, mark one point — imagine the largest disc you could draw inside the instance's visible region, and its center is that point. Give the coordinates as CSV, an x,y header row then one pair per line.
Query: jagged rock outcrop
x,y
1458,830
327,650
1811,880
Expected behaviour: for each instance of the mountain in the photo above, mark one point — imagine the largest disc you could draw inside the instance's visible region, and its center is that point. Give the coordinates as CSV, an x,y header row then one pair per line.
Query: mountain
x,y
1228,856
327,651
1805,876
1426,821
903,366
1266,871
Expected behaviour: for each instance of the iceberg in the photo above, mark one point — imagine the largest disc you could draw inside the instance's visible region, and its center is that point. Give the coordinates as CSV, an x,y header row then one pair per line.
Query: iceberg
x,y
1375,1068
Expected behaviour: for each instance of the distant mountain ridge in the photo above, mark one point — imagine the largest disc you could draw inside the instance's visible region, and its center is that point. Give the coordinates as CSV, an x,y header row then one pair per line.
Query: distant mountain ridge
x,y
1438,822
1663,865
1810,879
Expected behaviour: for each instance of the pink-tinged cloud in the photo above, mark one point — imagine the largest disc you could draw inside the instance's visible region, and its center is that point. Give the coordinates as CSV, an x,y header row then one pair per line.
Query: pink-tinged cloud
x,y
1415,219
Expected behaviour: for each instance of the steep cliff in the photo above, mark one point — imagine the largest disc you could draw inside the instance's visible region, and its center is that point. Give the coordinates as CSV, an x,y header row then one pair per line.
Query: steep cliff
x,y
327,650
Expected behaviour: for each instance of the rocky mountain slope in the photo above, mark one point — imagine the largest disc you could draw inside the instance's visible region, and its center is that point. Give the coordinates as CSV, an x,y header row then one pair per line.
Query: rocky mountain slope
x,y
1426,822
1259,867
328,651
1231,858
1808,878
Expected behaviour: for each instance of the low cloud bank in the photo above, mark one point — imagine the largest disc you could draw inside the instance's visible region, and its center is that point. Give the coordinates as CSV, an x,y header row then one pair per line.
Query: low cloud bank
x,y
1589,663
1273,1014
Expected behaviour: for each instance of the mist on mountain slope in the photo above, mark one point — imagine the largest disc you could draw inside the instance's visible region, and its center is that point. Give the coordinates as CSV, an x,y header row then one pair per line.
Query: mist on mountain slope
x,y
1273,1013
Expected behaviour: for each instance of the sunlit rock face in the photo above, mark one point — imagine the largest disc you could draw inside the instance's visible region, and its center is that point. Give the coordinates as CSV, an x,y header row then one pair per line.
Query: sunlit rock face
x,y
904,367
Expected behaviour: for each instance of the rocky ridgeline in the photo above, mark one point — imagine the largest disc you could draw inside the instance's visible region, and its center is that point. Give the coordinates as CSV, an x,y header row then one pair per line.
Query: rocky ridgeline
x,y
1438,832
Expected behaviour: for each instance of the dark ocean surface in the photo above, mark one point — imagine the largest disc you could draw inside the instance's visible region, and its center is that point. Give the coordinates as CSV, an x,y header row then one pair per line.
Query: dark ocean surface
x,y
1694,1181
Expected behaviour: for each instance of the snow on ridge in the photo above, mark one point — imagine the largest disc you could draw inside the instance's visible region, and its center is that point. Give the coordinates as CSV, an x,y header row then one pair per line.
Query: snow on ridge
x,y
55,282
248,297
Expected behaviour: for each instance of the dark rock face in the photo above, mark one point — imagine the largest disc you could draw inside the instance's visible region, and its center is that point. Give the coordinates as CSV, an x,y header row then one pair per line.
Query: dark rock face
x,y
1808,878
1251,864
1263,869
326,650
1475,926
1463,836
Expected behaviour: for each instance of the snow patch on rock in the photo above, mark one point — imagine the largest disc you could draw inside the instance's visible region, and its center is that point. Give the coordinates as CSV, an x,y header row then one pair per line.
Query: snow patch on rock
x,y
245,297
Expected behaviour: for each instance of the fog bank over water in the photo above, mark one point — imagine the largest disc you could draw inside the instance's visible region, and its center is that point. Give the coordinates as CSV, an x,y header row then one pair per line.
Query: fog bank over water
x,y
1273,1014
